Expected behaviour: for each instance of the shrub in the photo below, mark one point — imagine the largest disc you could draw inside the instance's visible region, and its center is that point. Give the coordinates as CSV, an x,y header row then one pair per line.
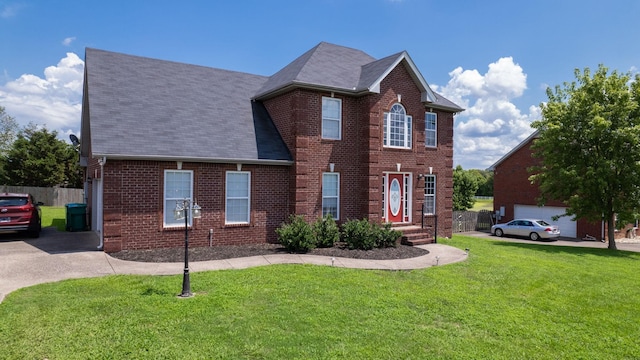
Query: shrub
x,y
387,237
326,231
297,235
359,234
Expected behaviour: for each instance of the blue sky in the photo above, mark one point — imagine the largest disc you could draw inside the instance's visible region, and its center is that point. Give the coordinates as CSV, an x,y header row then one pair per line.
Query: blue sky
x,y
494,58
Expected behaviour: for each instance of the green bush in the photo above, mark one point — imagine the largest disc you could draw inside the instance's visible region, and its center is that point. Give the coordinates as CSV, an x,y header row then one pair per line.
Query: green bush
x,y
359,234
326,231
387,237
364,235
297,235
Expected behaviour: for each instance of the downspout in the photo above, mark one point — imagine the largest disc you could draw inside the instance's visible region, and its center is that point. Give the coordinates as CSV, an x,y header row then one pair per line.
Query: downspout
x,y
101,162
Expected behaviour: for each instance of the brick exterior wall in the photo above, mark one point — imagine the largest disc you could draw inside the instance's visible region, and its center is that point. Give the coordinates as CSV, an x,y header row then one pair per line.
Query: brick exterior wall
x,y
134,204
133,190
511,186
360,157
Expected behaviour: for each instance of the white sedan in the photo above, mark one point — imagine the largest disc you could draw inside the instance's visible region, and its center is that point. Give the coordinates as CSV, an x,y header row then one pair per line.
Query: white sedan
x,y
533,229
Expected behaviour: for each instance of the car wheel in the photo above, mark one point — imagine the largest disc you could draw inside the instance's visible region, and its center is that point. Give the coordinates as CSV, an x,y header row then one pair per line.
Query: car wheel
x,y
499,232
534,236
34,232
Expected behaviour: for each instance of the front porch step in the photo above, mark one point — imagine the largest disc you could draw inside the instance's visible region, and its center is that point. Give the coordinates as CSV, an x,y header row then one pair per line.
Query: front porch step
x,y
415,235
416,239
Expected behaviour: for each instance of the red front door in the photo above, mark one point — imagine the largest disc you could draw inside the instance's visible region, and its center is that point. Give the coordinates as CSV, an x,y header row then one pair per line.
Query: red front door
x,y
395,198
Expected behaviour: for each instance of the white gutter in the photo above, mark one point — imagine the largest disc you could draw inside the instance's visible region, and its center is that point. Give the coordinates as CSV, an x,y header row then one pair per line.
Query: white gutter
x,y
194,159
101,162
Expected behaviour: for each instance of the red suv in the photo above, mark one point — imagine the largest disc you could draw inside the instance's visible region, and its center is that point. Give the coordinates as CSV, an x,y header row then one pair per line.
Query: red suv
x,y
19,212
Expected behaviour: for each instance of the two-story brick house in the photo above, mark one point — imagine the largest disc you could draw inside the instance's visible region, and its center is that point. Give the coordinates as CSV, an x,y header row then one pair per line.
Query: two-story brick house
x,y
335,131
514,196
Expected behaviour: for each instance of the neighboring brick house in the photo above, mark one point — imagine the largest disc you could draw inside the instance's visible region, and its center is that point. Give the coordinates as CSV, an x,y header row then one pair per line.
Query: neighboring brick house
x,y
335,131
514,196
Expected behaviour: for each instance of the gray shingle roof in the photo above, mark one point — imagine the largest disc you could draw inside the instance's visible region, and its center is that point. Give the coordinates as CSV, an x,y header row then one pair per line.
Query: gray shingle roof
x,y
142,108
326,65
148,108
338,68
372,71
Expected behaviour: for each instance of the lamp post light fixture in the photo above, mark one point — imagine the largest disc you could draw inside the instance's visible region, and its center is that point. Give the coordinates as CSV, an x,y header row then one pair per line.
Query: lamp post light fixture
x,y
182,212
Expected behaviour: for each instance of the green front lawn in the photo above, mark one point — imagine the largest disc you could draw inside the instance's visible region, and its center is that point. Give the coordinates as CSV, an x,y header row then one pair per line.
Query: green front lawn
x,y
54,216
482,204
507,301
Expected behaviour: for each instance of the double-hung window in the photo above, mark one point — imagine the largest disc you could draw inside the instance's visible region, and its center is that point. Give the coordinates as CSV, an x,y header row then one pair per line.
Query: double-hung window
x,y
397,128
238,197
430,129
429,194
331,118
331,195
178,186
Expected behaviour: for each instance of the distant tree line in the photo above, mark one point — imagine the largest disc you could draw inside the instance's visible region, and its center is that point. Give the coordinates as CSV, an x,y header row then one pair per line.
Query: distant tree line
x,y
34,156
467,184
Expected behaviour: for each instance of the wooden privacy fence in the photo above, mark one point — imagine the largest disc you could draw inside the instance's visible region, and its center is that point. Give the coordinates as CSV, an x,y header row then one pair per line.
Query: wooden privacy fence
x,y
464,221
49,196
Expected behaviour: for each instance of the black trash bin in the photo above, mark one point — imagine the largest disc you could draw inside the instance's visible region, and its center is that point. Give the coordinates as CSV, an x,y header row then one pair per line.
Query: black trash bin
x,y
76,217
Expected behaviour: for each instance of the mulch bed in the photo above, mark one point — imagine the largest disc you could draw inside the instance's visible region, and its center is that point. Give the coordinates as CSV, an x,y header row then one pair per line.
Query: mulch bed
x,y
230,252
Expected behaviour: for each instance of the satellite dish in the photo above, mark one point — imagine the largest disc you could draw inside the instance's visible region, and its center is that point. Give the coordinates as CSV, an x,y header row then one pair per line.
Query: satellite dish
x,y
74,140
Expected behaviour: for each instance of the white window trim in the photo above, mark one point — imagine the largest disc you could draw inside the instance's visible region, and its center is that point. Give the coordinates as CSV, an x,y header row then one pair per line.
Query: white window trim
x,y
171,208
407,198
337,196
226,198
384,196
435,131
408,129
435,192
339,119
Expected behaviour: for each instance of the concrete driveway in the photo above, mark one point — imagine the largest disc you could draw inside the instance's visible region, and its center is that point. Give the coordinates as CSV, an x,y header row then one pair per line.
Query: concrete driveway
x,y
52,257
621,244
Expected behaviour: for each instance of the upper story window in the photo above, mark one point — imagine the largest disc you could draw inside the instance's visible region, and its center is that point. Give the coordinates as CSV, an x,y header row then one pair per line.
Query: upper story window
x,y
397,128
178,186
238,197
331,118
430,129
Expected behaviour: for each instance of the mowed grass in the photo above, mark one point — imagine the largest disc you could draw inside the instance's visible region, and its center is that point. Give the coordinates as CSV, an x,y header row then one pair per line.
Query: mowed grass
x,y
482,204
54,216
507,301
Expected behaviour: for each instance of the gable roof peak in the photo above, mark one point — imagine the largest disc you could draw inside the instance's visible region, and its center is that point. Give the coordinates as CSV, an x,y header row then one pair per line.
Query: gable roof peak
x,y
326,66
524,142
330,67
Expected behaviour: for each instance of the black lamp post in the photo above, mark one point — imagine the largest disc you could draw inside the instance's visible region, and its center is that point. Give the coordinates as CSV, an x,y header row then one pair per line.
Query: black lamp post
x,y
182,212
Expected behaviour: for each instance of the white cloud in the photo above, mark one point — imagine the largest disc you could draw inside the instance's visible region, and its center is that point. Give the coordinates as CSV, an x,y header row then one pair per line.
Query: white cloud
x,y
68,41
491,125
505,78
53,101
10,10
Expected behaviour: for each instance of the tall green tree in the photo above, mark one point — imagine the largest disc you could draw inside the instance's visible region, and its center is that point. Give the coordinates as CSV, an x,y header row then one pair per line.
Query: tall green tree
x,y
465,185
484,178
39,158
8,131
589,147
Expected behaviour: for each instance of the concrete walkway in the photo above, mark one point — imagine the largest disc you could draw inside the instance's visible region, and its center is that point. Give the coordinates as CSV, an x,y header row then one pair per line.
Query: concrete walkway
x,y
58,256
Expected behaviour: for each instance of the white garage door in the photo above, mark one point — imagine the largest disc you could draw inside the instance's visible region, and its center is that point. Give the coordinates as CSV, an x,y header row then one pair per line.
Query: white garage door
x,y
565,224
